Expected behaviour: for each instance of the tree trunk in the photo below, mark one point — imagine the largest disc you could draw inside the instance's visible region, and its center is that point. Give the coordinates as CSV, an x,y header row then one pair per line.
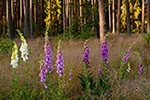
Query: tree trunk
x,y
84,2
27,25
69,11
4,17
148,18
128,18
50,16
143,13
118,26
24,7
7,12
35,11
12,9
31,18
80,3
64,17
102,23
113,11
109,15
20,22
10,21
17,14
67,4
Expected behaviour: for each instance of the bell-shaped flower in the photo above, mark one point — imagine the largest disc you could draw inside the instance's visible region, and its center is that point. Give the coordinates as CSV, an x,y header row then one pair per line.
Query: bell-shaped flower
x,y
14,57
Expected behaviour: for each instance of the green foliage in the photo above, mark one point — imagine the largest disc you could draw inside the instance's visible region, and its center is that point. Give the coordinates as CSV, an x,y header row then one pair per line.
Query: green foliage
x,y
87,82
5,45
147,38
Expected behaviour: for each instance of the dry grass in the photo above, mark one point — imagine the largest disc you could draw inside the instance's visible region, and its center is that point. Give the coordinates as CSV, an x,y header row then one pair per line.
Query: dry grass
x,y
73,54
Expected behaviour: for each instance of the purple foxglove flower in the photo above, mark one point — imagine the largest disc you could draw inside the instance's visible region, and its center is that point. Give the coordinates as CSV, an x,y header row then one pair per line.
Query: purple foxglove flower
x,y
70,75
86,56
116,78
104,51
127,56
140,68
100,72
45,86
48,56
46,67
60,63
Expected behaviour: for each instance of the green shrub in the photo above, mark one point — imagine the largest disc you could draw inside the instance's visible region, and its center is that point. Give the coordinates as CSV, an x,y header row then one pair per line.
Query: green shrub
x,y
5,44
147,38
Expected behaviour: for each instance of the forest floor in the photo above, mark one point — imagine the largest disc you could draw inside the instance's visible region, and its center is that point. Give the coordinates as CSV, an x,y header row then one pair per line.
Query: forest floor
x,y
73,55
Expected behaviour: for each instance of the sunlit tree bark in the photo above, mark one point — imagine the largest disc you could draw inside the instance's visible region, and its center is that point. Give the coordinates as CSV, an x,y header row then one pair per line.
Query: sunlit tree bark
x,y
102,23
113,13
20,21
148,14
143,13
35,11
31,18
109,15
118,18
64,16
80,2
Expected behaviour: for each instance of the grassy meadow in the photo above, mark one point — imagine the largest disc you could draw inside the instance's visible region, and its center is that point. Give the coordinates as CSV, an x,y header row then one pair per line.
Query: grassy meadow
x,y
133,86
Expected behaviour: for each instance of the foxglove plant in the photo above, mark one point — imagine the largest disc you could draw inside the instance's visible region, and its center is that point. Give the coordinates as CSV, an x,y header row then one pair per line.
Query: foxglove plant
x,y
127,56
46,65
124,61
60,60
104,51
140,68
86,56
100,73
70,75
23,48
14,57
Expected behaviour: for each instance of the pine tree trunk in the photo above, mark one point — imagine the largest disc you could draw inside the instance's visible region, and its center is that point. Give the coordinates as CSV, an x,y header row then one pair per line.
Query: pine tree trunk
x,y
35,11
84,2
4,17
10,21
24,7
80,2
143,13
7,12
64,17
50,16
69,11
27,23
20,22
66,13
118,25
113,11
12,9
128,18
31,32
75,7
102,23
148,16
17,14
109,15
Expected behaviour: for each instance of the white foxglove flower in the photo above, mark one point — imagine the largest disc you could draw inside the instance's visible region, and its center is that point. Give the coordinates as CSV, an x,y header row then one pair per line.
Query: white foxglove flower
x,y
23,48
24,51
128,70
14,57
